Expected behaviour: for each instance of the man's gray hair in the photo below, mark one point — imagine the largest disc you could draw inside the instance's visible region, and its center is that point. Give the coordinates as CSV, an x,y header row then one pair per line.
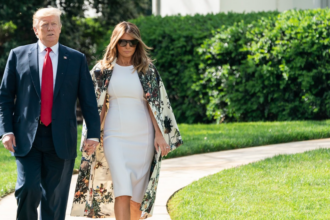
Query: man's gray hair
x,y
45,12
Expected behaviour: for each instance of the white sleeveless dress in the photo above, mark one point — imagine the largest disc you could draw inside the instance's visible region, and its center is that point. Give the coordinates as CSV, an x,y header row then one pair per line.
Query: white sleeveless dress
x,y
128,134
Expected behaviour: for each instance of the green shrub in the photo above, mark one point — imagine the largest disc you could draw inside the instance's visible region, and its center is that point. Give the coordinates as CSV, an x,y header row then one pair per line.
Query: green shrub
x,y
273,69
85,38
7,30
175,40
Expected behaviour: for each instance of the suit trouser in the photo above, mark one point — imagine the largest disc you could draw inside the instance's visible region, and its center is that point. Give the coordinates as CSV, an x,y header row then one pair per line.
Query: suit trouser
x,y
64,188
39,180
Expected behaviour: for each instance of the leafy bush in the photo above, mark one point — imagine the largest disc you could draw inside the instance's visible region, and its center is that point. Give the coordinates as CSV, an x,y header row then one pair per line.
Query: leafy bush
x,y
175,40
7,30
85,37
78,32
273,69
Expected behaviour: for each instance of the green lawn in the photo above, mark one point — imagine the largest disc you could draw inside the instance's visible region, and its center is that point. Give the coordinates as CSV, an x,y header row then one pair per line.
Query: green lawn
x,y
201,138
8,168
77,162
283,187
8,171
206,138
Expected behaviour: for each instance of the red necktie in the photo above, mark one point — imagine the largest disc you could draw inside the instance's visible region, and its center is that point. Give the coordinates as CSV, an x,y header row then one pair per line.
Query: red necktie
x,y
47,91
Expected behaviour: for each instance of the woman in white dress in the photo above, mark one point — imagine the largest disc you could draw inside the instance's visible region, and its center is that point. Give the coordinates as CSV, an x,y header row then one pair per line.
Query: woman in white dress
x,y
131,133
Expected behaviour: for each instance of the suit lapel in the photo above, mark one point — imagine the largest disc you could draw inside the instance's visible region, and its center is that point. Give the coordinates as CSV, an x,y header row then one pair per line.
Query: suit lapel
x,y
63,59
34,69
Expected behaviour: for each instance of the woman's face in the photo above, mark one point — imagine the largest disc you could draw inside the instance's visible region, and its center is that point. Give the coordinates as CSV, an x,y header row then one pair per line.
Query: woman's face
x,y
126,51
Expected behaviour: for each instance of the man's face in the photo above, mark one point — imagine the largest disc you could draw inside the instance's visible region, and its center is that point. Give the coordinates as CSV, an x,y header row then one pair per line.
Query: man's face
x,y
48,30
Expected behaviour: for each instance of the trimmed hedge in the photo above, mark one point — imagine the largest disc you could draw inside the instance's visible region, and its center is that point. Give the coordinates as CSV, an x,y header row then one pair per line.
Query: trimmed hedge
x,y
175,40
273,69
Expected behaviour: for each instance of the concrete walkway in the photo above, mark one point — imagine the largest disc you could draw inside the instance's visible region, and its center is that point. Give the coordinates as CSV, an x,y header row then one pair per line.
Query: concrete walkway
x,y
179,172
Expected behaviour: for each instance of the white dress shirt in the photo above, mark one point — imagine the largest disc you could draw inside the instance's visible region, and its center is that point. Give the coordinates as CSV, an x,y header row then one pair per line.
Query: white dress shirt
x,y
54,57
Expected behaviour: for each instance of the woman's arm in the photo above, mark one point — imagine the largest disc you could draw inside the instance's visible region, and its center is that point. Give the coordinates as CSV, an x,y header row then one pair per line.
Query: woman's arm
x,y
159,139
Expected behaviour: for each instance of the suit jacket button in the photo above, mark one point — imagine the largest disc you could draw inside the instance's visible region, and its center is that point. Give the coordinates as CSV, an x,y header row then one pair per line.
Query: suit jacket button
x,y
37,118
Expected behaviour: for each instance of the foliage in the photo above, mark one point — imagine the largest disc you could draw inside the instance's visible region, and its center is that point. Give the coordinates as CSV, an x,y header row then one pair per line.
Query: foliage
x,y
84,38
283,187
115,11
20,13
78,32
84,34
7,30
175,40
72,8
273,69
21,33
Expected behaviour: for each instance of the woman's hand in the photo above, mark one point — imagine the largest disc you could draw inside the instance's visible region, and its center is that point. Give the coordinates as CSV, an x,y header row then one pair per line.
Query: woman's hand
x,y
161,143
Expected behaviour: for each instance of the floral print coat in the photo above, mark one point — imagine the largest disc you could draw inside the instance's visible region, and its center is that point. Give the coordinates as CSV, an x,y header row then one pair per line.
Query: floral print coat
x,y
94,196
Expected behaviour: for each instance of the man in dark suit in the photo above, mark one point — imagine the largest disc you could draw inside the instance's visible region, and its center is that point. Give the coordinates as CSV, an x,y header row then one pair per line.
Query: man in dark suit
x,y
38,94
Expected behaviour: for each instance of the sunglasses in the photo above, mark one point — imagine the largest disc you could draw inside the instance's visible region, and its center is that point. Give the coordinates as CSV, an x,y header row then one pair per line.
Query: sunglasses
x,y
132,43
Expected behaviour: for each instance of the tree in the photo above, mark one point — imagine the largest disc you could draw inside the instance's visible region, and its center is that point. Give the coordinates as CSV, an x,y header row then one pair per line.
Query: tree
x,y
78,32
114,11
20,13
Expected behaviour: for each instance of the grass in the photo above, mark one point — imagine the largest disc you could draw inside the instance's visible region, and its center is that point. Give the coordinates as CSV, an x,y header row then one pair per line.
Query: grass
x,y
282,187
77,162
8,173
202,138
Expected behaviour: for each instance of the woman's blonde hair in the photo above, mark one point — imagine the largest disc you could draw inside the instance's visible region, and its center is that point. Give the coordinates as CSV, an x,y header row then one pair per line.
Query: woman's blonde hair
x,y
45,12
140,58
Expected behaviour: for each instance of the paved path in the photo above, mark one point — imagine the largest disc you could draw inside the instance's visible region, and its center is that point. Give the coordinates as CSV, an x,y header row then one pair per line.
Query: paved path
x,y
179,172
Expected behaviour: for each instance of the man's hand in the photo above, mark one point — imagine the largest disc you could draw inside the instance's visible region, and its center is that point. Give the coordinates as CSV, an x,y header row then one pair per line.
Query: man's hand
x,y
9,141
90,146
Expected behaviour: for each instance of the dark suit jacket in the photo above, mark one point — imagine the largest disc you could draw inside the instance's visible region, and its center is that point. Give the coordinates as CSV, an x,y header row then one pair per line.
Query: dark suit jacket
x,y
20,101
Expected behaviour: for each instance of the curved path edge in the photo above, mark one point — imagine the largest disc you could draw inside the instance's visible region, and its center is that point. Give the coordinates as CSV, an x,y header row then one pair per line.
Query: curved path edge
x,y
179,172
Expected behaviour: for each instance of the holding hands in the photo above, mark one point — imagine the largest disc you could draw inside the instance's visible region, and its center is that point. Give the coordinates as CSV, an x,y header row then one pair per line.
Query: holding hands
x,y
90,146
